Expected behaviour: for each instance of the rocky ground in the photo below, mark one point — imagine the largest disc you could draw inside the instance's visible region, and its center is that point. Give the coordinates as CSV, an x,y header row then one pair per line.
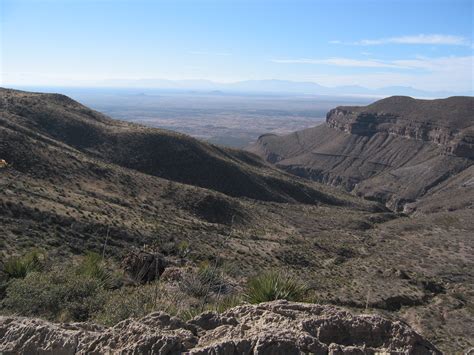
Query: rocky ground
x,y
278,327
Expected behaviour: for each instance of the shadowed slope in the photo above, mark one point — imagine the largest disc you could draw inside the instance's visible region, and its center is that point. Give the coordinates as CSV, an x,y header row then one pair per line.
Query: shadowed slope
x,y
152,151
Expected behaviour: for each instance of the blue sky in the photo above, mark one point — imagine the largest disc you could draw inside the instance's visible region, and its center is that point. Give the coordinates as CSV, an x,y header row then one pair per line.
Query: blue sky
x,y
425,44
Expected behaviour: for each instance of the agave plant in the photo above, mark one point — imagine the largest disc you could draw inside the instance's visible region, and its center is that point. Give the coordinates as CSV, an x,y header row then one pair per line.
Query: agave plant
x,y
93,266
19,266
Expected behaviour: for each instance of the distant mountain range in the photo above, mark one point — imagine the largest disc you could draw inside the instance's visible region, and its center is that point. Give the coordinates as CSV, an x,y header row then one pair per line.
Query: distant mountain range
x,y
277,86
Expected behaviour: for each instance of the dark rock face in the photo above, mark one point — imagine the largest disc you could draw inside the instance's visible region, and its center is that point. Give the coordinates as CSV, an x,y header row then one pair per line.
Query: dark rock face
x,y
396,150
277,327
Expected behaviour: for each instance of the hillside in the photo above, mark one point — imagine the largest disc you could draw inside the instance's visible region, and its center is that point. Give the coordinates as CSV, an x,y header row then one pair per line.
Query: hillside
x,y
396,150
78,181
155,152
87,173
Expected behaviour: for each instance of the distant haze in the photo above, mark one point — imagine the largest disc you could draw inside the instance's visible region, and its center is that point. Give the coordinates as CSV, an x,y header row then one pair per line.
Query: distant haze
x,y
221,117
272,86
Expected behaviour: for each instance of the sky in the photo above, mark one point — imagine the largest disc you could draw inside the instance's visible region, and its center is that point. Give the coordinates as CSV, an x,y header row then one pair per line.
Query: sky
x,y
426,44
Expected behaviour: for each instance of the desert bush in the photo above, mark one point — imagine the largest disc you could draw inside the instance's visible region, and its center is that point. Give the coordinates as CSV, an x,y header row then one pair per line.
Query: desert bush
x,y
213,277
202,282
56,295
272,286
193,284
19,266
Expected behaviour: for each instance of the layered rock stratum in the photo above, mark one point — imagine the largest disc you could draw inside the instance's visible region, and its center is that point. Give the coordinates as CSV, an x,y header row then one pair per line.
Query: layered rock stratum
x,y
398,150
277,327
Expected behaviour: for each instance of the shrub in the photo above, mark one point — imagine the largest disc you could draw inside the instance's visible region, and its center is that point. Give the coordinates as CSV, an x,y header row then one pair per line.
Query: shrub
x,y
19,266
272,286
212,276
202,282
55,295
192,284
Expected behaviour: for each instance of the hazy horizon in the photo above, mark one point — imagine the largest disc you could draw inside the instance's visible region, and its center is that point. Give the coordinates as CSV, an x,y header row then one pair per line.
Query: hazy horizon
x,y
423,45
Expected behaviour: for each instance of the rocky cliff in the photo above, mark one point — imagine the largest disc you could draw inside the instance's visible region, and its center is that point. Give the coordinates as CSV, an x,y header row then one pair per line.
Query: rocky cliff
x,y
396,150
447,123
277,327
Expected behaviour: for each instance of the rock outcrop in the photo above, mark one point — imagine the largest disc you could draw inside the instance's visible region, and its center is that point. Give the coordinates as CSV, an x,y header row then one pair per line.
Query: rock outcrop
x,y
396,150
277,327
447,123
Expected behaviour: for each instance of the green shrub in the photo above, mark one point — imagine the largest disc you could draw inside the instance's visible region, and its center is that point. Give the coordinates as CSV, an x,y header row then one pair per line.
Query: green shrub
x,y
56,295
274,286
19,266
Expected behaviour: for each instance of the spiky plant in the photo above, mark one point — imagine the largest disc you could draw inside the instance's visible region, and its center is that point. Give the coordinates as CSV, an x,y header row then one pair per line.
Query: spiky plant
x,y
272,285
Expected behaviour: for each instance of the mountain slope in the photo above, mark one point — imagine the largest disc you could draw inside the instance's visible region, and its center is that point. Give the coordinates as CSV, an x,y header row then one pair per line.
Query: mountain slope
x,y
74,175
395,150
152,151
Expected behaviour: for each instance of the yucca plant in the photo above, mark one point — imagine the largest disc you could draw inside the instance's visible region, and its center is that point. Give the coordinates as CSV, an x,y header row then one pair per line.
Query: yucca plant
x,y
19,266
272,286
92,265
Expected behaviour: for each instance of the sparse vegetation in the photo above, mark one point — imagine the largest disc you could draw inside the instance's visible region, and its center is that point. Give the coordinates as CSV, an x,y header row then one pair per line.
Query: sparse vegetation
x,y
61,291
59,197
91,289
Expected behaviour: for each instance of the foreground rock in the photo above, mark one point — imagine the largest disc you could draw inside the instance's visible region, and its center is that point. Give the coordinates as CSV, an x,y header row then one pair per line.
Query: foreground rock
x,y
278,327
